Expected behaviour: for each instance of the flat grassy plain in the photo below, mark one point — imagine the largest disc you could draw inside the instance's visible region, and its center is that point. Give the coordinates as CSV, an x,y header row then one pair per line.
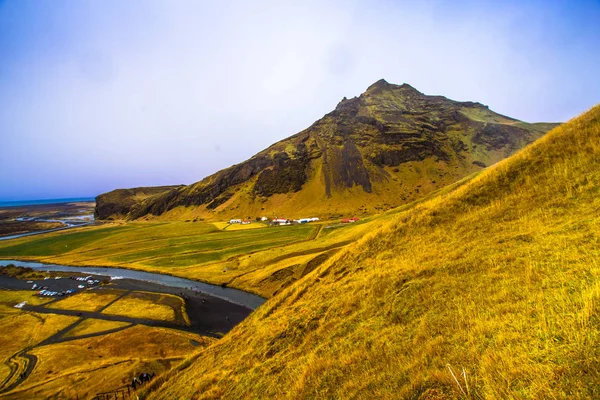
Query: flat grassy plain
x,y
92,326
143,308
86,301
8,298
250,259
159,307
488,291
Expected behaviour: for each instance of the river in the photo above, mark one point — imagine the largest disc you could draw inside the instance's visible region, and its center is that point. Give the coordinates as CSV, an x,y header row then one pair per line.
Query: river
x,y
67,226
235,296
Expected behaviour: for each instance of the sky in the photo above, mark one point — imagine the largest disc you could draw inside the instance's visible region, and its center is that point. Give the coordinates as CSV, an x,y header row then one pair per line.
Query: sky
x,y
98,95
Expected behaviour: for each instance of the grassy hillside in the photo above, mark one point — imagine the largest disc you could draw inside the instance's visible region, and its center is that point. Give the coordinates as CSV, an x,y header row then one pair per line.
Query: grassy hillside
x,y
389,146
491,291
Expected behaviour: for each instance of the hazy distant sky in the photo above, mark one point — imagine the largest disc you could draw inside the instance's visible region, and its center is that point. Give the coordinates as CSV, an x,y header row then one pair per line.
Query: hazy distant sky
x,y
98,95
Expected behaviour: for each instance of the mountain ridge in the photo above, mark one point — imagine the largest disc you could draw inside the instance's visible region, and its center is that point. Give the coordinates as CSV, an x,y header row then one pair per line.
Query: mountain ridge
x,y
388,146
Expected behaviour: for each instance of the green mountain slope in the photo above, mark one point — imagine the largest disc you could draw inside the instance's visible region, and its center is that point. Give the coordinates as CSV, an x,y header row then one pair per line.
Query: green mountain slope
x,y
387,147
499,278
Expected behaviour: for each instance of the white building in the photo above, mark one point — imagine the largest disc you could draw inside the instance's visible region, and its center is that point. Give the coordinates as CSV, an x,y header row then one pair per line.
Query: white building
x,y
235,221
306,220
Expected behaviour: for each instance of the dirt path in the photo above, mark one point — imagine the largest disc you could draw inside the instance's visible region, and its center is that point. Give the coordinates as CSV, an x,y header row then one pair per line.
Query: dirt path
x,y
57,338
31,362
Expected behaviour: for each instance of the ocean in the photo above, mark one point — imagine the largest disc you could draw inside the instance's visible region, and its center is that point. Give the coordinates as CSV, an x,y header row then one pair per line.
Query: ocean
x,y
45,201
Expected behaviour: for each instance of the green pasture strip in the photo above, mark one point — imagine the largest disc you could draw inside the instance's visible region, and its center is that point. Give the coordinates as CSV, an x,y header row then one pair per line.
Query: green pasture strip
x,y
60,243
188,259
217,242
171,233
122,245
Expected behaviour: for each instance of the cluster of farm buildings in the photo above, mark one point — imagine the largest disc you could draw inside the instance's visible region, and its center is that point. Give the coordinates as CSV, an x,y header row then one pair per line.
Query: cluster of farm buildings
x,y
286,221
276,221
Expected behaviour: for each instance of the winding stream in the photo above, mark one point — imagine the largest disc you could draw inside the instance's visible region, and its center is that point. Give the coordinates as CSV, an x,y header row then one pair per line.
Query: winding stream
x,y
236,296
62,228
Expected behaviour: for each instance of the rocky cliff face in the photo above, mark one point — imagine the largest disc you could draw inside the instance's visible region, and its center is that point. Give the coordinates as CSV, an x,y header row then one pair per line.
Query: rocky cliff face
x,y
389,146
118,203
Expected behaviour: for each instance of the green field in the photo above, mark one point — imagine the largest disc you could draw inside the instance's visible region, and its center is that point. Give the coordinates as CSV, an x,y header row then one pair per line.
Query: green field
x,y
193,250
51,245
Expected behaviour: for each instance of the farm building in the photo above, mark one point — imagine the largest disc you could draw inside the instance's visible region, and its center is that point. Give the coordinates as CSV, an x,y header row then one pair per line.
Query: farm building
x,y
263,219
306,220
235,221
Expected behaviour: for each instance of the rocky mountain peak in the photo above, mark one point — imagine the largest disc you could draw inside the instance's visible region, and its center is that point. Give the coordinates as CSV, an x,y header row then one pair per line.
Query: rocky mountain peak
x,y
380,84
386,147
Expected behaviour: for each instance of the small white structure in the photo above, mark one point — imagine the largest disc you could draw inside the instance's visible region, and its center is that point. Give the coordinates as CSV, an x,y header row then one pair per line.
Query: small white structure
x,y
20,305
263,219
235,221
306,220
281,221
245,222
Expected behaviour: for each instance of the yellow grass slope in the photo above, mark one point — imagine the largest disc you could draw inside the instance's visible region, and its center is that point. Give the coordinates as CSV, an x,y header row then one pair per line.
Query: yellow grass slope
x,y
500,278
78,369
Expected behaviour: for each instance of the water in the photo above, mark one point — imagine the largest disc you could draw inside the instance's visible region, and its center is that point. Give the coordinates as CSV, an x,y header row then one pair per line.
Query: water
x,y
17,203
236,296
67,226
68,222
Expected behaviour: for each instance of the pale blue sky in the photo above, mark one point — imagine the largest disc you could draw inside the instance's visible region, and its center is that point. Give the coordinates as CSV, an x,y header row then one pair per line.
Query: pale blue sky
x,y
98,95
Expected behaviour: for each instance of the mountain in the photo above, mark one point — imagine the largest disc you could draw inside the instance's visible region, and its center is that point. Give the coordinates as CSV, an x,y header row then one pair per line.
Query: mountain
x,y
118,203
389,146
491,291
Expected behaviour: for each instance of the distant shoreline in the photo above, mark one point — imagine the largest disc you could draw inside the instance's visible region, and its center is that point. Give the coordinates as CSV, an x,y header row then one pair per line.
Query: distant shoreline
x,y
19,203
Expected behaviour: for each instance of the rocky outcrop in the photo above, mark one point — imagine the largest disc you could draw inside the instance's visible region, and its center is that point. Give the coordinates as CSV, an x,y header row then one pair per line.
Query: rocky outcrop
x,y
286,175
119,203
